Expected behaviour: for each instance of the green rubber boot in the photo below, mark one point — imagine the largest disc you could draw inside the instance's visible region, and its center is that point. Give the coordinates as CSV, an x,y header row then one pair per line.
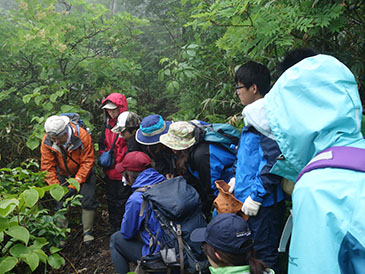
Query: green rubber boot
x,y
88,217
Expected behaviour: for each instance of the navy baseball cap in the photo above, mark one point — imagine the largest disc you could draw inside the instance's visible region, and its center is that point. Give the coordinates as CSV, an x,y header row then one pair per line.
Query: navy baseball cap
x,y
151,128
226,232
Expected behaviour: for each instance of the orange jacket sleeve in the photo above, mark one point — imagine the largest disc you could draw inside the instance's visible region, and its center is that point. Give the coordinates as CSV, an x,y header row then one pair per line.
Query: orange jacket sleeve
x,y
49,163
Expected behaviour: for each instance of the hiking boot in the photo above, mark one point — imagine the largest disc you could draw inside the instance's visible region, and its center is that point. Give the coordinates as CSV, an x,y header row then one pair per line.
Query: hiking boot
x,y
88,217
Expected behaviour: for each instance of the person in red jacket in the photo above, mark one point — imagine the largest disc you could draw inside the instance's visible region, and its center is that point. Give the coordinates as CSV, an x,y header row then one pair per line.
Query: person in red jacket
x,y
117,192
67,152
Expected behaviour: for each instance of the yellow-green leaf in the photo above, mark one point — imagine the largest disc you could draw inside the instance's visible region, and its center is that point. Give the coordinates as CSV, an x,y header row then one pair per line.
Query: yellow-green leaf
x,y
19,233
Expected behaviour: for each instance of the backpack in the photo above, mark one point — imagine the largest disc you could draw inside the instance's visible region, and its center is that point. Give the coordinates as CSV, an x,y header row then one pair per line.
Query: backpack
x,y
225,135
177,207
339,157
76,120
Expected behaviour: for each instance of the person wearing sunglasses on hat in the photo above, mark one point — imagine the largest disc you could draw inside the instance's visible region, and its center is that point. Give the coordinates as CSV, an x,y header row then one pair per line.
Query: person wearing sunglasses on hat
x,y
148,135
67,152
227,241
258,189
127,126
117,192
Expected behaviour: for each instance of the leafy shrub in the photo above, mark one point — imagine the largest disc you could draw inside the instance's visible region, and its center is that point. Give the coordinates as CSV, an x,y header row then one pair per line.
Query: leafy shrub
x,y
29,234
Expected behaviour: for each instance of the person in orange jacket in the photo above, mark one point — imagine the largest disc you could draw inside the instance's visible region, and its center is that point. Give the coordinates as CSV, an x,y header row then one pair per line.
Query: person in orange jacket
x,y
67,152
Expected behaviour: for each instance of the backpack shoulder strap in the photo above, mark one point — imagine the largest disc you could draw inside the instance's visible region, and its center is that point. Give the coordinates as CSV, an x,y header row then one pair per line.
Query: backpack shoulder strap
x,y
339,157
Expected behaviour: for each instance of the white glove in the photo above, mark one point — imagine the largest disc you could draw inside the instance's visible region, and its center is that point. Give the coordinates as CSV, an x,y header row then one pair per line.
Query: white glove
x,y
231,184
250,207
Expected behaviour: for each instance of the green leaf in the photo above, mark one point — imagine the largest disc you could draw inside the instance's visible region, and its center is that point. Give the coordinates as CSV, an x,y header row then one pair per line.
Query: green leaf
x,y
32,260
31,197
33,142
19,233
188,73
38,99
57,192
41,255
26,98
7,206
39,242
74,183
53,98
4,223
1,236
41,191
7,263
48,106
54,249
19,250
191,53
56,261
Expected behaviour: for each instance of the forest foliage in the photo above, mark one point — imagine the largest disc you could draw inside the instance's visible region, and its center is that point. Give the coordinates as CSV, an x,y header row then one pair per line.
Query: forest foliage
x,y
176,58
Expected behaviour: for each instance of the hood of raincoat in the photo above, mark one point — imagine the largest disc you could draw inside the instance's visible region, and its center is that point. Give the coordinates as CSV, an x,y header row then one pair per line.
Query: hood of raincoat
x,y
314,105
148,177
255,115
117,99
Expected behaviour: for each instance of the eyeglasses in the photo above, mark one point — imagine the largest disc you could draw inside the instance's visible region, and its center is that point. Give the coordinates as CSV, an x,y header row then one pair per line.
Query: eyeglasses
x,y
239,87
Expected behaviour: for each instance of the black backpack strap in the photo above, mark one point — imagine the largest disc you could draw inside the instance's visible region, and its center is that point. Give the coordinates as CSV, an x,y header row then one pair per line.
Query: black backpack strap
x,y
199,131
64,157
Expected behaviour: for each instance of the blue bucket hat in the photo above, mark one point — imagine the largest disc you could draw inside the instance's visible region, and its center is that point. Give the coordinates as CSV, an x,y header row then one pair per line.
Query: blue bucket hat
x,y
151,128
226,232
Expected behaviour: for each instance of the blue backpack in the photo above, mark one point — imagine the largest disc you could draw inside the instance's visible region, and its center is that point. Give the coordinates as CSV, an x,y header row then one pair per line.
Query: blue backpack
x,y
177,207
225,135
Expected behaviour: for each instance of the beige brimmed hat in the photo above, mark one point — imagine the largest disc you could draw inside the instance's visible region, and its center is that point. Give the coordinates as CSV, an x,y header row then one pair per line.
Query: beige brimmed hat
x,y
56,124
179,137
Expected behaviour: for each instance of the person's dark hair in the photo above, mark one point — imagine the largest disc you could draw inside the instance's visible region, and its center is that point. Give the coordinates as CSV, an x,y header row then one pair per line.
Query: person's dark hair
x,y
294,56
133,174
230,259
182,158
131,129
254,73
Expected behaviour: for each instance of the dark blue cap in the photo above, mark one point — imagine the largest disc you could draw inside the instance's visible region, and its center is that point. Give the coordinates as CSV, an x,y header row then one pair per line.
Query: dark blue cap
x,y
151,128
226,232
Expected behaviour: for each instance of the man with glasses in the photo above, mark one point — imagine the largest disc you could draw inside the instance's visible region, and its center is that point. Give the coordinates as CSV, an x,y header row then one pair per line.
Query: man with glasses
x,y
67,152
255,186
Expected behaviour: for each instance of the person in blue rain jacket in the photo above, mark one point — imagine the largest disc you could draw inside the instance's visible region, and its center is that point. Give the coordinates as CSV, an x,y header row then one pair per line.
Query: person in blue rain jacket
x,y
125,245
315,105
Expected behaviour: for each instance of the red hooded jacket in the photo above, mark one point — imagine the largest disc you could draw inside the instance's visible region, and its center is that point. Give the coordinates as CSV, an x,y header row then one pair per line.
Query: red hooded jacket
x,y
106,140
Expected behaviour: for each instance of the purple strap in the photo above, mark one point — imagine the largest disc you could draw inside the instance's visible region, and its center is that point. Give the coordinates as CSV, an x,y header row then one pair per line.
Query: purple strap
x,y
342,157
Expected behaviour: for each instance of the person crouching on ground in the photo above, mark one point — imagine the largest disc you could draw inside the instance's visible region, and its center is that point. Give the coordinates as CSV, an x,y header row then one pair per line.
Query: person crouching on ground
x,y
201,163
132,241
228,244
148,135
67,152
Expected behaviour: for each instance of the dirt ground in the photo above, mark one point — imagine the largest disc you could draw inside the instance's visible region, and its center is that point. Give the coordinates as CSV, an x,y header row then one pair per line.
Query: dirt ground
x,y
93,259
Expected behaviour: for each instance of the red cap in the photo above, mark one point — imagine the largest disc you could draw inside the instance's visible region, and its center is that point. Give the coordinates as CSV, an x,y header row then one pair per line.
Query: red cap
x,y
134,161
